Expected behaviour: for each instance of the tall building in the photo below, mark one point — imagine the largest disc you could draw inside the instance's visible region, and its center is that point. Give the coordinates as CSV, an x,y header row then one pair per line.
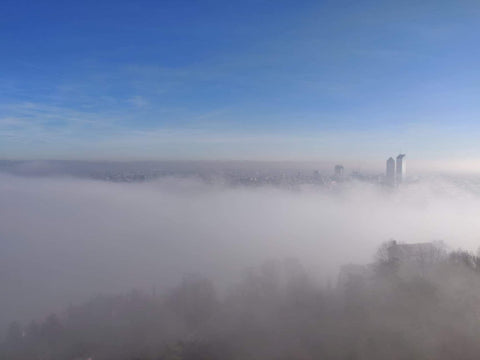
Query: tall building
x,y
390,174
338,171
401,168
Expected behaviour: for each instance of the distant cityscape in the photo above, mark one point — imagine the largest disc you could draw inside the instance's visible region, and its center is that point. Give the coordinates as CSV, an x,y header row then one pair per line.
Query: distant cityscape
x,y
395,174
227,173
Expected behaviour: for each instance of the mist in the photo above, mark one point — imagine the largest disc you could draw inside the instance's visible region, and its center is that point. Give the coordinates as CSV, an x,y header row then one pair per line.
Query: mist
x,y
63,240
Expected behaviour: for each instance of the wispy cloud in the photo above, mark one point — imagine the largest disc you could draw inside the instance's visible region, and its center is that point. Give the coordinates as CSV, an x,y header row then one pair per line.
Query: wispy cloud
x,y
138,101
34,130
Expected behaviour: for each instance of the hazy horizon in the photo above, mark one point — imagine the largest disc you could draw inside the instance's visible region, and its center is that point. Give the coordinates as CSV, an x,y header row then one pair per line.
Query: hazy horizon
x,y
376,165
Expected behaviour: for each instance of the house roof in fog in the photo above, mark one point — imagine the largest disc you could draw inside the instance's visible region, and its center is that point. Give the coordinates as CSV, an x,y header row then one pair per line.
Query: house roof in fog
x,y
414,251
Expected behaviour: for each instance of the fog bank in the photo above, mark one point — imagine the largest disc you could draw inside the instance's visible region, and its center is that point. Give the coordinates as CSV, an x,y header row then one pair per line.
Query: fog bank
x,y
63,240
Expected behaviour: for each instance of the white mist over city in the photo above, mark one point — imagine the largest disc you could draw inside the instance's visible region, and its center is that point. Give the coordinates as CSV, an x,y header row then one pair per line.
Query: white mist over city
x,y
228,180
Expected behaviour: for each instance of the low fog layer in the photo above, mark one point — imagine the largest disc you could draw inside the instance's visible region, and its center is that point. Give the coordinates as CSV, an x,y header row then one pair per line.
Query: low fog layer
x,y
64,240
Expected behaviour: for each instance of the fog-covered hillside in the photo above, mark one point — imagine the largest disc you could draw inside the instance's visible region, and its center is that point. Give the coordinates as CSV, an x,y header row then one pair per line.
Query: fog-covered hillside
x,y
423,305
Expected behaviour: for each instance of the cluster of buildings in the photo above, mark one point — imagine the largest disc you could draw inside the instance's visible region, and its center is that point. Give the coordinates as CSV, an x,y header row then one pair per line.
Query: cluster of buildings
x,y
396,170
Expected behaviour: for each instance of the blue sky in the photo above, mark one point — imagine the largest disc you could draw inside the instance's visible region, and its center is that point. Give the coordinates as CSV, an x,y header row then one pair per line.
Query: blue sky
x,y
239,79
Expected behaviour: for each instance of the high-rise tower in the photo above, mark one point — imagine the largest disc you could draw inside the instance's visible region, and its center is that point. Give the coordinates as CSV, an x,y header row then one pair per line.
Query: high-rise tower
x,y
390,174
401,168
338,171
